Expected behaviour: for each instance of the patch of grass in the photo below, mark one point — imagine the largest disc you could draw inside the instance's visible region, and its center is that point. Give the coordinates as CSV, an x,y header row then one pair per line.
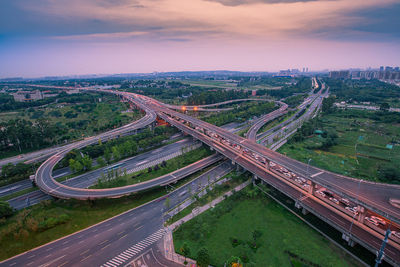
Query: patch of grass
x,y
217,191
360,150
228,230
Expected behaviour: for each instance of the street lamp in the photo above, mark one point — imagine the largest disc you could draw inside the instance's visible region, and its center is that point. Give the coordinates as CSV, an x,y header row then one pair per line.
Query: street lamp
x,y
308,165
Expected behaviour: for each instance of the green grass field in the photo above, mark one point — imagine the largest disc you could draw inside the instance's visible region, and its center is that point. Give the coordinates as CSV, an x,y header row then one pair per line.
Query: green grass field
x,y
227,230
360,151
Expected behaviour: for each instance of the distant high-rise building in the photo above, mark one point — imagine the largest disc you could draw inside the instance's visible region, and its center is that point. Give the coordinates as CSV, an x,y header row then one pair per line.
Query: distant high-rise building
x,y
343,74
381,68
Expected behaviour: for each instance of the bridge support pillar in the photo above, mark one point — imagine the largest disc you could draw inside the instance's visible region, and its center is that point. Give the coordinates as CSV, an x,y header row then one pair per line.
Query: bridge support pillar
x,y
361,213
311,189
304,211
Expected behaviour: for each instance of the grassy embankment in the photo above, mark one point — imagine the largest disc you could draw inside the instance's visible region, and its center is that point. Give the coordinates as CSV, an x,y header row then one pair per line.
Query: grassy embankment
x,y
228,230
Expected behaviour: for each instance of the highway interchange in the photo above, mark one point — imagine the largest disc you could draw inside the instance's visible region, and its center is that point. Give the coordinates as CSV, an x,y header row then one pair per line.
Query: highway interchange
x,y
373,196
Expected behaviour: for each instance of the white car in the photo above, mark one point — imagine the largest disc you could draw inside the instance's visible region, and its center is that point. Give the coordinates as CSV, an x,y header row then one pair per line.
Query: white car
x,y
272,164
334,200
370,220
379,220
321,193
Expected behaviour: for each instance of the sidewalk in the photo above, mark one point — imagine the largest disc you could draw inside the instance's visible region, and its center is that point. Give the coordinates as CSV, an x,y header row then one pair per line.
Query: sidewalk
x,y
168,240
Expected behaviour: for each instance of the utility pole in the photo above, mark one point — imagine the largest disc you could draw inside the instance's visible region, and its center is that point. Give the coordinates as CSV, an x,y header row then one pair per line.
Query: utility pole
x,y
380,253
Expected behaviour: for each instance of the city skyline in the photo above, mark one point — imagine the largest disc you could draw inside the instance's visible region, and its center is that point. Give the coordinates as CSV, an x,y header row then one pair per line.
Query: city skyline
x,y
105,37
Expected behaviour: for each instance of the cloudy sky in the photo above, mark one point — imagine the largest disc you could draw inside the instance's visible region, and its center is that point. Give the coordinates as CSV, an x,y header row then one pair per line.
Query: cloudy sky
x,y
63,37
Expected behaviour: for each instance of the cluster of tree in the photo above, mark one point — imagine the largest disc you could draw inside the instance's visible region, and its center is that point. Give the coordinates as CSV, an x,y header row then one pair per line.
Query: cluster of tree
x,y
11,173
20,134
211,97
241,113
5,209
329,136
389,173
116,149
363,90
81,163
379,116
327,104
295,100
303,85
263,80
7,102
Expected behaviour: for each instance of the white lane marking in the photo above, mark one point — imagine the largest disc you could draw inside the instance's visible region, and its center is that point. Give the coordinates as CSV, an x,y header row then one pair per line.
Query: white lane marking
x,y
316,174
142,162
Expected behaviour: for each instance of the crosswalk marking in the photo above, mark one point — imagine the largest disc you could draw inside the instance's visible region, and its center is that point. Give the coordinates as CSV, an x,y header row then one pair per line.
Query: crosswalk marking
x,y
135,249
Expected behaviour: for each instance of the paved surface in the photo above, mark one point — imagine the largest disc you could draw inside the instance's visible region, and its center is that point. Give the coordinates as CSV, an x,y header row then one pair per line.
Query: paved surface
x,y
260,122
97,245
85,180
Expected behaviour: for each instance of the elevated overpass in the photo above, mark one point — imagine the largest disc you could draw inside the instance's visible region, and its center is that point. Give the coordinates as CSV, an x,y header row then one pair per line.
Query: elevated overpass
x,y
297,180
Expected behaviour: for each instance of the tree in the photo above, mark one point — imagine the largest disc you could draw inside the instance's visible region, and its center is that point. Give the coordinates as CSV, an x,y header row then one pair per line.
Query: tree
x,y
327,104
384,106
203,258
5,209
116,153
75,165
107,155
101,161
185,250
87,163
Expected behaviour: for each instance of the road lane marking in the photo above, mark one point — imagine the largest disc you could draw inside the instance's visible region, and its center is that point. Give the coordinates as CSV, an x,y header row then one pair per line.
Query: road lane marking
x,y
86,258
81,241
49,249
121,232
65,242
30,263
103,242
105,247
30,257
109,229
316,174
84,252
138,228
12,264
62,264
65,248
123,236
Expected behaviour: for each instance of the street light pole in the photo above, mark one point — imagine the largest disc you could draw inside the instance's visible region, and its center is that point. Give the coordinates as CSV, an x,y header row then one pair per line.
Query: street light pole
x,y
308,165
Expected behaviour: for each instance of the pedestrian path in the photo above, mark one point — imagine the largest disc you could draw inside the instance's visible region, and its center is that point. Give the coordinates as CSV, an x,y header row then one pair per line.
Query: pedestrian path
x,y
130,253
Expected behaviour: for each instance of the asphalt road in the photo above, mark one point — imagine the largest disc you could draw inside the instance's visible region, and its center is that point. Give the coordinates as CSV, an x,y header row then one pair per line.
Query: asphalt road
x,y
87,179
103,242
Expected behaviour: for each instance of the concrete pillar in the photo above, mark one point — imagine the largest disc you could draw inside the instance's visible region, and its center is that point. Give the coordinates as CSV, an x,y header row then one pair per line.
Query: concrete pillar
x,y
304,211
361,213
311,189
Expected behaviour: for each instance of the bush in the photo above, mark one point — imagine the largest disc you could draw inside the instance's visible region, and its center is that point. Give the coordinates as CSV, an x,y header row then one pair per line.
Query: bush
x,y
5,209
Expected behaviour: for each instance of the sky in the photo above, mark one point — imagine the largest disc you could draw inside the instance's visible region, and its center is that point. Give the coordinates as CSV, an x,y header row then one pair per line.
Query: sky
x,y
75,37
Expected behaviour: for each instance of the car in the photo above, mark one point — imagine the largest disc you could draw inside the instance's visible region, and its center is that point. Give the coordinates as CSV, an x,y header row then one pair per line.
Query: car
x,y
287,175
306,186
379,220
272,164
352,209
396,234
370,220
345,201
334,200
